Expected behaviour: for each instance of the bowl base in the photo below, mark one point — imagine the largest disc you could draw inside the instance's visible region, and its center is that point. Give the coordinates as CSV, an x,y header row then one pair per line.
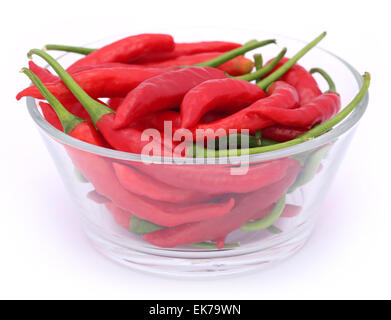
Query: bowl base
x,y
197,264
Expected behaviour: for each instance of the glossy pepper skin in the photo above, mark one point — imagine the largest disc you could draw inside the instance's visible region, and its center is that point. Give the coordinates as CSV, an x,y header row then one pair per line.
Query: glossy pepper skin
x,y
189,48
225,95
144,185
316,111
301,80
234,67
246,207
161,92
128,49
280,95
94,82
216,179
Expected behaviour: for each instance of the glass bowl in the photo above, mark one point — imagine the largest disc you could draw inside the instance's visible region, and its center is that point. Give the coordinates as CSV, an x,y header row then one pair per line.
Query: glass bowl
x,y
193,219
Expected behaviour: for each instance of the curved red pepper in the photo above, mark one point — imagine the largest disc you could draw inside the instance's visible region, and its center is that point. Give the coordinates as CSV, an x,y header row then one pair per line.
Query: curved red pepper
x,y
217,179
302,80
164,91
128,49
316,111
227,95
43,74
281,95
143,185
190,48
94,82
246,207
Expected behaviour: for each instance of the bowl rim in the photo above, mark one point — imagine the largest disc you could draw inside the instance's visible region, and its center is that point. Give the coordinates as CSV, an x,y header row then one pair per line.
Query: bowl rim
x,y
348,123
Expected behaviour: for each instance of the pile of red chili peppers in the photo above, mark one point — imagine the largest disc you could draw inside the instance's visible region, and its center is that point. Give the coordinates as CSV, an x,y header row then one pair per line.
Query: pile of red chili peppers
x,y
192,99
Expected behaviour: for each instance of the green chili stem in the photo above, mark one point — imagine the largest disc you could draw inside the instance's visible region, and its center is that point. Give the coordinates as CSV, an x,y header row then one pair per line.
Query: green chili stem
x,y
289,64
235,140
60,47
310,169
311,134
265,70
327,77
67,119
251,45
258,61
266,222
268,142
95,109
140,226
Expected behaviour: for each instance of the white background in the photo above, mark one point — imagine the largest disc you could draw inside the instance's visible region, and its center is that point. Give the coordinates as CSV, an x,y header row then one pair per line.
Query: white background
x,y
43,252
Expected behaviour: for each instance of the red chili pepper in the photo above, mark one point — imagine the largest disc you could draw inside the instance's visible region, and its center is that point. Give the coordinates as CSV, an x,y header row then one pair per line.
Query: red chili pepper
x,y
316,111
50,115
235,67
281,95
247,206
43,74
186,49
164,91
128,49
302,80
95,82
143,185
282,133
217,179
227,95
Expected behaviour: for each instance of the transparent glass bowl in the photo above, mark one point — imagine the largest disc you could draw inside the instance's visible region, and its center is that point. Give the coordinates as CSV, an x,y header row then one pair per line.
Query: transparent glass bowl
x,y
225,203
